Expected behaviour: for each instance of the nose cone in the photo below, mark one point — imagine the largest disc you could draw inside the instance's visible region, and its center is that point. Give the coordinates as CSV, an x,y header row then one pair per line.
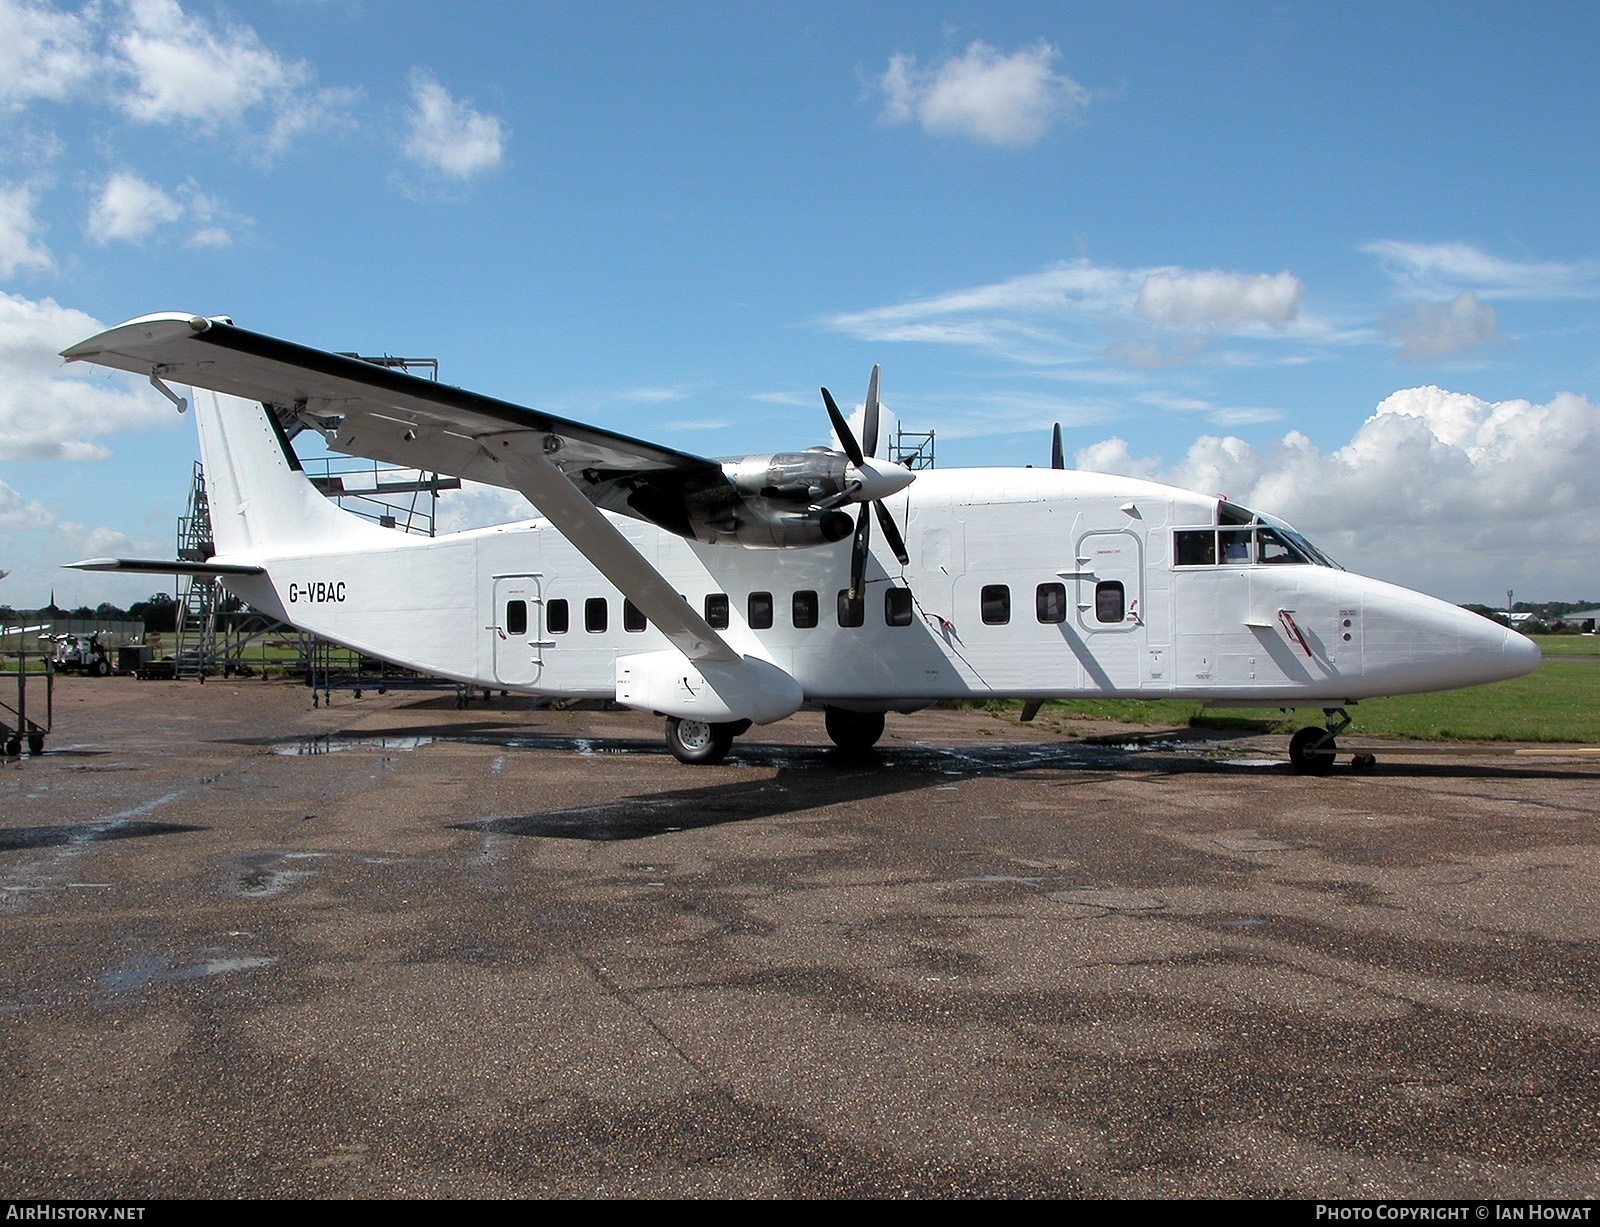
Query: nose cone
x,y
1415,643
878,478
1520,654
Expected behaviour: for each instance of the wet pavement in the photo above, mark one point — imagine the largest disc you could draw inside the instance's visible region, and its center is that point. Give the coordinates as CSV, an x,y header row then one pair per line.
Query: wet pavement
x,y
392,948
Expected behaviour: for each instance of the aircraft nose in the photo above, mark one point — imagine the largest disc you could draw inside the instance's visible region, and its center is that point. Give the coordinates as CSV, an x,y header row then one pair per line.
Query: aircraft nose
x,y
1520,653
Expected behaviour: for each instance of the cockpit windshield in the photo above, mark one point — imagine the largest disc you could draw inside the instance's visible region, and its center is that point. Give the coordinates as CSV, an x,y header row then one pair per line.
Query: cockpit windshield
x,y
1242,537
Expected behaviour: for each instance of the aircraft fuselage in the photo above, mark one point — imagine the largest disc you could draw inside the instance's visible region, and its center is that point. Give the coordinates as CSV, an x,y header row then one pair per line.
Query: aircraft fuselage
x,y
1030,583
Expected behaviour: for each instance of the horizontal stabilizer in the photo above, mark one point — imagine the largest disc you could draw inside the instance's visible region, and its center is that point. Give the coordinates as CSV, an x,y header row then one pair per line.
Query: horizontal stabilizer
x,y
157,566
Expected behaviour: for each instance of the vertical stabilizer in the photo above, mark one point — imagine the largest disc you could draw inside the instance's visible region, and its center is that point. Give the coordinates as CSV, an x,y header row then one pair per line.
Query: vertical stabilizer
x,y
259,497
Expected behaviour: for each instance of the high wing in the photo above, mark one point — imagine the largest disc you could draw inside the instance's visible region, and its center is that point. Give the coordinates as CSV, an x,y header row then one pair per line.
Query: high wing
x,y
566,469
372,411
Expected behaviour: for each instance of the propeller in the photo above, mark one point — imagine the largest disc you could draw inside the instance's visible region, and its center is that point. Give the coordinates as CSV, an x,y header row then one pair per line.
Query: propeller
x,y
1058,458
874,480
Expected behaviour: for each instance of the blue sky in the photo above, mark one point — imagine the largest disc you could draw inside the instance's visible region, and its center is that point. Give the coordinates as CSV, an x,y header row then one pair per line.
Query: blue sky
x,y
1339,262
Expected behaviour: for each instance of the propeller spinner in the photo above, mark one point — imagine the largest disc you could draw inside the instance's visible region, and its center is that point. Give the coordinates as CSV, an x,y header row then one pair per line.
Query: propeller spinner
x,y
871,481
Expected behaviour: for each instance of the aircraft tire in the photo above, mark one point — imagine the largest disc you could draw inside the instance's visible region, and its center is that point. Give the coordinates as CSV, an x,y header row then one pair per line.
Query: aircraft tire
x,y
854,732
697,742
1312,751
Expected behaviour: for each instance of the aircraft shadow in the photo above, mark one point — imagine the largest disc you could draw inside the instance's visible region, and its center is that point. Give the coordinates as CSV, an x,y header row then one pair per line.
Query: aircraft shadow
x,y
13,839
807,777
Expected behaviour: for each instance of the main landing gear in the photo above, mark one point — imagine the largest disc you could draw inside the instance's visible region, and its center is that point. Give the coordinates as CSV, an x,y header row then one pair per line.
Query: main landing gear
x,y
1313,750
854,732
697,741
703,743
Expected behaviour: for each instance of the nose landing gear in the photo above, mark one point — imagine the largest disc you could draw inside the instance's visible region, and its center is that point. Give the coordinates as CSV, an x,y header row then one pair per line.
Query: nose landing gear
x,y
1313,750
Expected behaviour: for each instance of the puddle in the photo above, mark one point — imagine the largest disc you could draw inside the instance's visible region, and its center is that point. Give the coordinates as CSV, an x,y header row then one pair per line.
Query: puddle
x,y
153,969
1007,878
1237,843
330,743
262,876
1111,900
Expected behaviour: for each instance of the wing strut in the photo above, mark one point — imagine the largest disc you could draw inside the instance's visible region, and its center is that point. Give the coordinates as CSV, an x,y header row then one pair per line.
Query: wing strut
x,y
598,540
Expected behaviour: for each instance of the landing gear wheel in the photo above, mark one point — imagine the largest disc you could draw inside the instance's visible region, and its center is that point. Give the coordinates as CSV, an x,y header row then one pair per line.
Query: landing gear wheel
x,y
1312,751
854,732
1363,762
697,742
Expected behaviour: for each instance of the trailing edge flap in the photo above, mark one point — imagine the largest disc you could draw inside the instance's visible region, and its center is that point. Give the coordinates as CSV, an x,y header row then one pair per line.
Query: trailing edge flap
x,y
155,566
566,469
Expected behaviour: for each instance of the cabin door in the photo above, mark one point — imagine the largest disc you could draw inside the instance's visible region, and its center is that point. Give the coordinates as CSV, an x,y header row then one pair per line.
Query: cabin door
x,y
1110,605
518,630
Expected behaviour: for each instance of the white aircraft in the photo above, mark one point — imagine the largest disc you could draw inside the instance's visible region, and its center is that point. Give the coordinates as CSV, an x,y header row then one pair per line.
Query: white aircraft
x,y
725,593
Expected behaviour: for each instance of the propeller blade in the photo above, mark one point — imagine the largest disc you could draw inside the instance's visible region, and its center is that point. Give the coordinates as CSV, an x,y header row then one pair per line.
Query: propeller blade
x,y
858,556
869,427
891,534
841,428
1058,459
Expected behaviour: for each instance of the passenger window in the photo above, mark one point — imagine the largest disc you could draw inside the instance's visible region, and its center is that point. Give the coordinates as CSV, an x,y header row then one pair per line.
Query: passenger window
x,y
897,606
1234,544
1050,603
595,616
1110,601
995,601
717,610
1194,547
556,617
759,610
632,619
852,609
516,617
805,609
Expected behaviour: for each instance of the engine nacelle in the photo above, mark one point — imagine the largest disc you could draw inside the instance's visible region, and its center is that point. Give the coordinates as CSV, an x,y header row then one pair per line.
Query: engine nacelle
x,y
800,478
769,502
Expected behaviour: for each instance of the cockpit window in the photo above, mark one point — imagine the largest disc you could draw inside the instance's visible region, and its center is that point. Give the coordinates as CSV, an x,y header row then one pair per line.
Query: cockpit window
x,y
1275,548
1266,540
1233,546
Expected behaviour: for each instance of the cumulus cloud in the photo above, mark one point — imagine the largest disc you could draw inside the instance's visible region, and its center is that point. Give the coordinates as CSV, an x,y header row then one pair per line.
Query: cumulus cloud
x,y
1217,301
48,411
997,99
158,64
1436,269
35,540
129,209
476,505
19,229
1436,490
44,53
1429,330
182,69
1029,317
446,136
